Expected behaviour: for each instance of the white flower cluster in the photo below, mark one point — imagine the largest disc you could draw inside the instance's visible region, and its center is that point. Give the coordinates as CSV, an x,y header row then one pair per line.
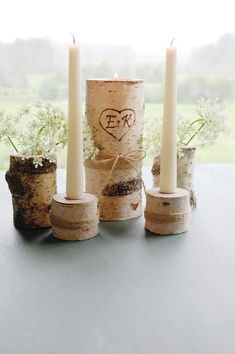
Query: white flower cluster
x,y
202,131
212,112
89,149
152,135
8,128
205,129
39,130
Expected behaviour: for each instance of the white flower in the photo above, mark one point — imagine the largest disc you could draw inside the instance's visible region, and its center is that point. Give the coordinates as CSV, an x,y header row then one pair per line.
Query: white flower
x,y
37,161
89,149
44,131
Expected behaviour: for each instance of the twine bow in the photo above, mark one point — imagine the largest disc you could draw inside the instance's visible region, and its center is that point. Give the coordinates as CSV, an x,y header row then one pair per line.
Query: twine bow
x,y
131,157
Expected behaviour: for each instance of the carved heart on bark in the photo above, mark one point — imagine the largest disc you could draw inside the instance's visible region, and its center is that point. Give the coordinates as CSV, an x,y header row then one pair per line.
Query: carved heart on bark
x,y
117,123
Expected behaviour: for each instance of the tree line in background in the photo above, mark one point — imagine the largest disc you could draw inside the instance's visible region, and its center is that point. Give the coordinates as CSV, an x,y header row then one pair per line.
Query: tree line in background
x,y
36,69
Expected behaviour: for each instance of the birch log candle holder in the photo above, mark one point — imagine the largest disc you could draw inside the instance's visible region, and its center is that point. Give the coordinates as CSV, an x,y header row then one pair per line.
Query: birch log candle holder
x,y
74,219
167,214
114,111
168,208
185,171
75,216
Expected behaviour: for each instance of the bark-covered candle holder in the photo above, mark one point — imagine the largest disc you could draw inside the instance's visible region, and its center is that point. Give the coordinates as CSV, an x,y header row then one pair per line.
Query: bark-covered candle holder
x,y
167,214
115,112
32,190
74,219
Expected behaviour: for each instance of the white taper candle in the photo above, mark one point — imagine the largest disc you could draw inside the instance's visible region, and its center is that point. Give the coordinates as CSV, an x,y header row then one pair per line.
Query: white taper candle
x,y
75,179
168,173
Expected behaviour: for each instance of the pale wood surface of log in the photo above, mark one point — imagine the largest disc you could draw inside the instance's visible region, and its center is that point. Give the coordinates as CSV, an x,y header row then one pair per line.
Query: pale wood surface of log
x,y
74,219
115,109
167,214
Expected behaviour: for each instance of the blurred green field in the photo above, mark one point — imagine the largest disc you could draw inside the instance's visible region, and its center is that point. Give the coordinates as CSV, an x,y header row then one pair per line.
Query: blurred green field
x,y
222,152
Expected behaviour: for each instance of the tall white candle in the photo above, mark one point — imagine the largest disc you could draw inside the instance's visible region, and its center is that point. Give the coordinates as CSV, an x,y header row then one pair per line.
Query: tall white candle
x,y
75,179
168,174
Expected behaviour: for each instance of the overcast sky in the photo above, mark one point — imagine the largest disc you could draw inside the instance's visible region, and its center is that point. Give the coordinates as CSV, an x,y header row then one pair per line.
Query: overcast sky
x,y
146,25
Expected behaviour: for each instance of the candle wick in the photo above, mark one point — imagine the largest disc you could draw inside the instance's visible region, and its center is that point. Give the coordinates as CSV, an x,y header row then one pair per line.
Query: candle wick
x,y
73,38
172,41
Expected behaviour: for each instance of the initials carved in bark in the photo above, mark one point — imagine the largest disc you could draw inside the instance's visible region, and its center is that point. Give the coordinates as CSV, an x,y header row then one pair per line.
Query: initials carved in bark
x,y
117,123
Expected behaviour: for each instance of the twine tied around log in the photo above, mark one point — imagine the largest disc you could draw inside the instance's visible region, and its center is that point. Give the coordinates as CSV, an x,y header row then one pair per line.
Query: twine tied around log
x,y
175,218
131,157
81,224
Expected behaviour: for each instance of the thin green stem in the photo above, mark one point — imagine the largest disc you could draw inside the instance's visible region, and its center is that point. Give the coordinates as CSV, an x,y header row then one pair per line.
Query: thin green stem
x,y
190,126
32,147
60,142
193,136
41,129
12,144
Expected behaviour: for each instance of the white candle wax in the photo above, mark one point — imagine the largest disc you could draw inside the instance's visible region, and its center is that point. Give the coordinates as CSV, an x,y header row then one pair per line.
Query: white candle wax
x,y
168,173
75,179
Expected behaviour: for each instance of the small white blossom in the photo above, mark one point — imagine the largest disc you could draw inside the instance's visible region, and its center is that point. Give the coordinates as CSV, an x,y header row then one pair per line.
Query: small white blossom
x,y
38,161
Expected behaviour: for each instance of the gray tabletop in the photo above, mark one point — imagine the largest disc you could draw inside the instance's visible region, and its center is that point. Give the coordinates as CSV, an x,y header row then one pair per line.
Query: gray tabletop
x,y
124,291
